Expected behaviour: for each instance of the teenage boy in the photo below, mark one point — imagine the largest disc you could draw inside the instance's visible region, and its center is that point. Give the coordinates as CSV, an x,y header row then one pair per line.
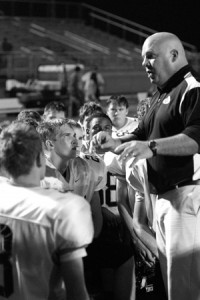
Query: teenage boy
x,y
43,232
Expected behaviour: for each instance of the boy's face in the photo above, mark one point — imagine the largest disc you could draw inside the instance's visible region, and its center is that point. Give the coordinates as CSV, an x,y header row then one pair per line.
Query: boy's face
x,y
84,126
65,143
79,137
54,115
99,124
117,113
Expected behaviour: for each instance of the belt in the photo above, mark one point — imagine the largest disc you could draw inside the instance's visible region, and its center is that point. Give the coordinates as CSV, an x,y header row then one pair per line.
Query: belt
x,y
181,184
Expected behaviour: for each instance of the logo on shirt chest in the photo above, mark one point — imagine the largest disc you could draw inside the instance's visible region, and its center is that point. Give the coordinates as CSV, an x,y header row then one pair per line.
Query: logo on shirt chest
x,y
167,100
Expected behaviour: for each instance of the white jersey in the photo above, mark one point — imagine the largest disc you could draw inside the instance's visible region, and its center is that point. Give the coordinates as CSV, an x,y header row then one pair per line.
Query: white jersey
x,y
98,168
129,126
115,167
39,228
137,178
83,176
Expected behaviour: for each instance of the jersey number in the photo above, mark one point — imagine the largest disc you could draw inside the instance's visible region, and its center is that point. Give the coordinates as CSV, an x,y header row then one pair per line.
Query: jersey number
x,y
110,188
94,158
5,255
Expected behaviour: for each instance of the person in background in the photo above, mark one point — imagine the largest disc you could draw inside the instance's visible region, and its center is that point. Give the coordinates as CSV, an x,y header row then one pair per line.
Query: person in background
x,y
7,48
34,245
93,84
85,111
54,110
168,137
28,113
91,89
75,89
117,109
63,79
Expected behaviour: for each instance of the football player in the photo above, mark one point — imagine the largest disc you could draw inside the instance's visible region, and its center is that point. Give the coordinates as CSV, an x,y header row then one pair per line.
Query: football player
x,y
86,110
59,138
42,232
112,235
54,110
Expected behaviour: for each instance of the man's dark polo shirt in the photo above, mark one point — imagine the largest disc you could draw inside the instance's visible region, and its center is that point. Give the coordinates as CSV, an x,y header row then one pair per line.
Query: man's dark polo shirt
x,y
174,109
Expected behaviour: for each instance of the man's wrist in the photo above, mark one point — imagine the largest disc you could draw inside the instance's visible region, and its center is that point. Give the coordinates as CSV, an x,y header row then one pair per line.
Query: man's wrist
x,y
153,146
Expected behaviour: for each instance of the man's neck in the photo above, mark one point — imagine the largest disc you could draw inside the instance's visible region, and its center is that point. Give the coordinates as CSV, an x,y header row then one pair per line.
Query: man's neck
x,y
59,163
28,181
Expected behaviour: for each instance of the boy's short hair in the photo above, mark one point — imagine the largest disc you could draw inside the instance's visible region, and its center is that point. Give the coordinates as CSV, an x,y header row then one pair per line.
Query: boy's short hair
x,y
54,106
120,100
97,115
48,130
20,146
28,121
74,123
26,114
88,109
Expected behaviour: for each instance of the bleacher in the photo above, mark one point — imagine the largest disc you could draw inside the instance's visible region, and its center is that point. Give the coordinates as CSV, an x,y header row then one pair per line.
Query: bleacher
x,y
92,37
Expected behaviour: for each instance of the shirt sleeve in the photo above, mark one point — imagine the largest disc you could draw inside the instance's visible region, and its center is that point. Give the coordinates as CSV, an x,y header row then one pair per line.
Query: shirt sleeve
x,y
190,111
101,176
73,227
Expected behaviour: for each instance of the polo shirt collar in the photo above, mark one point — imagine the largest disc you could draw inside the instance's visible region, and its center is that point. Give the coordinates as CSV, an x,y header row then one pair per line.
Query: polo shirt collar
x,y
174,80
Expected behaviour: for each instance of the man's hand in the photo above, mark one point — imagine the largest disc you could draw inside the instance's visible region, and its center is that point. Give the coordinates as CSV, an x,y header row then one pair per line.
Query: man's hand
x,y
103,142
137,149
144,253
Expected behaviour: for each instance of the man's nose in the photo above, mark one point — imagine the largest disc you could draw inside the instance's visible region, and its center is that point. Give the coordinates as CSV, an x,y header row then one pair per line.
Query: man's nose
x,y
145,62
75,141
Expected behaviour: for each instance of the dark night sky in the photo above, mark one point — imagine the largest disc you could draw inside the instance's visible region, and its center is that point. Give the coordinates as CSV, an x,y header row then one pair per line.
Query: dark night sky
x,y
181,17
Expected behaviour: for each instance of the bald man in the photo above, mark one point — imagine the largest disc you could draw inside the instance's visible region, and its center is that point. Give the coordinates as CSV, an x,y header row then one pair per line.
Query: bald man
x,y
169,137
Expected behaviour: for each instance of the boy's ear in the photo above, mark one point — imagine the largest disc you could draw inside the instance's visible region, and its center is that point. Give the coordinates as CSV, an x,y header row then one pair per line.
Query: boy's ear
x,y
49,144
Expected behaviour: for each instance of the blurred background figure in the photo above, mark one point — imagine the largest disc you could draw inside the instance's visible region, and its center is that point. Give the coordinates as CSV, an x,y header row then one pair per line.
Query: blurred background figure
x,y
62,77
28,113
85,112
117,110
75,90
93,84
54,110
6,48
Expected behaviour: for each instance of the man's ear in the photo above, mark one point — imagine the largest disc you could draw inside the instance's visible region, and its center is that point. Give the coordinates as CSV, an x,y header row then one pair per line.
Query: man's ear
x,y
174,54
49,144
87,130
126,111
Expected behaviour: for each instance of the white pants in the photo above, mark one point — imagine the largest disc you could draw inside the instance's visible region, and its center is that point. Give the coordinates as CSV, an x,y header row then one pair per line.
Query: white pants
x,y
178,239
